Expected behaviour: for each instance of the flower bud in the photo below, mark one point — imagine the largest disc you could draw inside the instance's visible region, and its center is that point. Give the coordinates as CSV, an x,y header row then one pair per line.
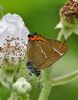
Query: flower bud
x,y
69,18
21,86
69,12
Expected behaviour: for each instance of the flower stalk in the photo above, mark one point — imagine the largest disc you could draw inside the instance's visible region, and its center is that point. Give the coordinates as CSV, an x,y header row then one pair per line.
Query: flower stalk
x,y
60,35
15,96
46,85
62,80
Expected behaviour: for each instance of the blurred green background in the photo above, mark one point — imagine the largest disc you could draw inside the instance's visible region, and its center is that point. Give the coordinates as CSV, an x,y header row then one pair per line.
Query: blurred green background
x,y
42,16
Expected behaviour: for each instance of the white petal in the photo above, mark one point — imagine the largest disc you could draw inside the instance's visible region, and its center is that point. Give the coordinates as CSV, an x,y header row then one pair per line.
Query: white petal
x,y
13,18
13,29
24,34
3,26
59,25
67,32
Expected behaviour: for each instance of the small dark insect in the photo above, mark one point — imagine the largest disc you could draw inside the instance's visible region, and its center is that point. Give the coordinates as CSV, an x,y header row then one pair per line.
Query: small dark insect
x,y
43,52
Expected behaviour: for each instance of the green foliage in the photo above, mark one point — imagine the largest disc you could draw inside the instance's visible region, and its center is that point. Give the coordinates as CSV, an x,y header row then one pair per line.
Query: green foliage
x,y
42,16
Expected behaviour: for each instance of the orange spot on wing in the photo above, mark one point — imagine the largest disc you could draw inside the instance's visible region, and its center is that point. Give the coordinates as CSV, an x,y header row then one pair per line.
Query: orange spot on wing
x,y
37,38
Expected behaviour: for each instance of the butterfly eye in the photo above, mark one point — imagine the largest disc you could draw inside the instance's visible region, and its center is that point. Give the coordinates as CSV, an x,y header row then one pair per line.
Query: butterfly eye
x,y
29,36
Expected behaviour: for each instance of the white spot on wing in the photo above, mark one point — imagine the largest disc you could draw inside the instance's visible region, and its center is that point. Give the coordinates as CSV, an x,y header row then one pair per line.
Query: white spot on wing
x,y
57,51
42,51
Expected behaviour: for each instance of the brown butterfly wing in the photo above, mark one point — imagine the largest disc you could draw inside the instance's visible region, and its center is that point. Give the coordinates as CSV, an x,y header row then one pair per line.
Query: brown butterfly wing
x,y
38,52
43,51
58,50
30,51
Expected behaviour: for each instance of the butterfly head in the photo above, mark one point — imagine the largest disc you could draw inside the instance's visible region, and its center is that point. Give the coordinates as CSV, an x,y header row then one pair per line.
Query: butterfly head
x,y
34,37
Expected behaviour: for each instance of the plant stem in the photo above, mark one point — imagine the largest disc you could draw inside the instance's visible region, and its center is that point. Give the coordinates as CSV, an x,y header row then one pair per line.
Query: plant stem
x,y
60,35
47,76
45,92
25,97
16,96
65,79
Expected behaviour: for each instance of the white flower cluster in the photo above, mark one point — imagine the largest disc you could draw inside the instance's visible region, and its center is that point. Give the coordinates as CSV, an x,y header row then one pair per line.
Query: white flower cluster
x,y
13,39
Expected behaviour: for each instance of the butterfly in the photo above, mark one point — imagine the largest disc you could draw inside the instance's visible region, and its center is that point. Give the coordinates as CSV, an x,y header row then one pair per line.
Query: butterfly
x,y
43,52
